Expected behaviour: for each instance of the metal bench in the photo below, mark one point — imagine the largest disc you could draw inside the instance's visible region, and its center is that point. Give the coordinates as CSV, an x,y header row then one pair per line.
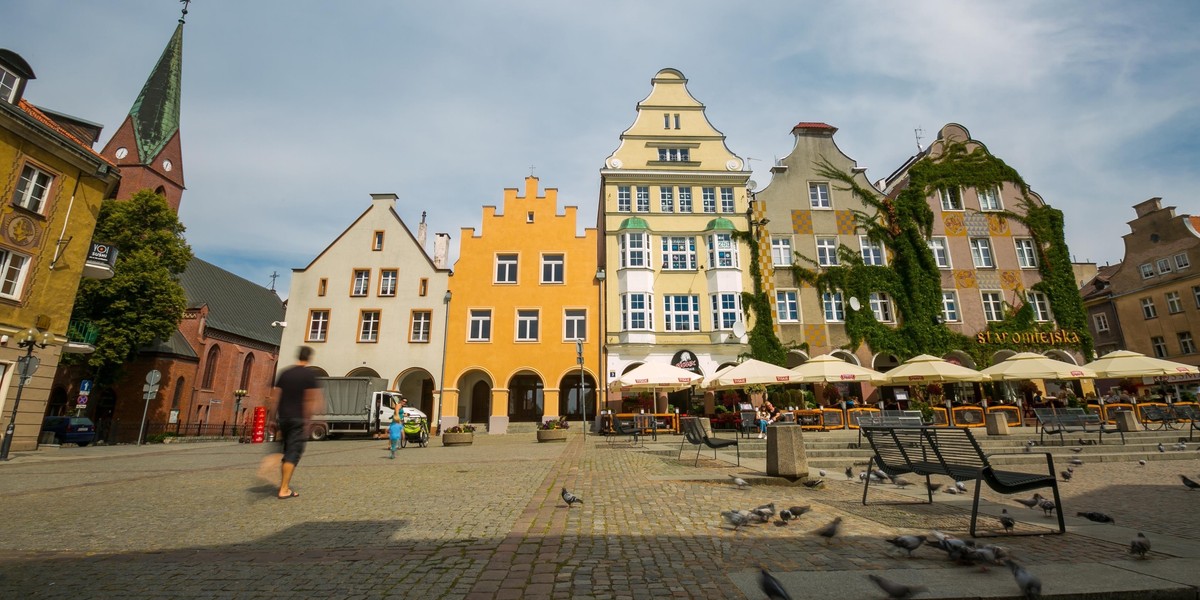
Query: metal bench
x,y
693,433
890,418
1188,416
954,453
1072,420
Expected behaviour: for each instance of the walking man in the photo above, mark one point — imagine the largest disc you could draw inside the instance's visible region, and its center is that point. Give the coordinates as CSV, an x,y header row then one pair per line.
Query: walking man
x,y
296,398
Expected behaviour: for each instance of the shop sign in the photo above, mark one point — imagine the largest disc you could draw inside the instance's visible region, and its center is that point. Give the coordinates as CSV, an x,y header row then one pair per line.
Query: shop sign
x,y
1058,336
686,360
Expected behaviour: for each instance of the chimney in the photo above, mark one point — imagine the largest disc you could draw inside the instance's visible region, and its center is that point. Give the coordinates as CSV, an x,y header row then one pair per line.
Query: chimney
x,y
441,249
1146,207
421,229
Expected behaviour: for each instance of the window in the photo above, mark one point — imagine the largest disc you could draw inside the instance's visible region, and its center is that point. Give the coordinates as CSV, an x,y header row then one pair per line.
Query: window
x,y
786,306
726,199
673,155
1186,344
682,312
872,252
781,251
951,198
362,282
1160,346
981,253
1148,310
635,312
8,85
666,120
423,287
685,199
1101,322
421,321
32,189
1174,304
676,120
635,250
247,369
387,282
721,251
678,253
881,307
506,268
575,324
13,267
210,367
624,199
368,326
529,217
1147,270
643,198
1181,261
527,325
377,241
941,252
1041,307
318,325
993,306
1026,256
322,285
950,306
666,199
480,325
818,195
827,251
1164,266
1196,294
553,268
835,312
709,199
989,198
726,308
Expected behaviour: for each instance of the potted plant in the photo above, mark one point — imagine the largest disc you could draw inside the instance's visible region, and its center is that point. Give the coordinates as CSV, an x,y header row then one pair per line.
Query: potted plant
x,y
553,430
462,434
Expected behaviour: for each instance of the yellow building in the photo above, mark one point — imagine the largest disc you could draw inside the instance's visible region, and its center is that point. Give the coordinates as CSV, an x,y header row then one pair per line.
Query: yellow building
x,y
673,200
524,289
52,183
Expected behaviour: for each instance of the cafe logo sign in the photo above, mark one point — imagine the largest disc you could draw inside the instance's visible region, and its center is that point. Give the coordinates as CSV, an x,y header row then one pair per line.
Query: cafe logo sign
x,y
1058,336
686,360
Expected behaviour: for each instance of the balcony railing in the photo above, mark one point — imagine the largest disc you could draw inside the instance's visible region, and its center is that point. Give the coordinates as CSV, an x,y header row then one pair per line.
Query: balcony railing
x,y
81,336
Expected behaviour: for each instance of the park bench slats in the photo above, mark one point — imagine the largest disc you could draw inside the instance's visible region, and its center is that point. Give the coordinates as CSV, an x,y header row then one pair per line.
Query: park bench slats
x,y
1072,420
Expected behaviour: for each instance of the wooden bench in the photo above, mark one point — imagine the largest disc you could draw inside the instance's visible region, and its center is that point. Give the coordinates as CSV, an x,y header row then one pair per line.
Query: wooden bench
x,y
1072,420
954,453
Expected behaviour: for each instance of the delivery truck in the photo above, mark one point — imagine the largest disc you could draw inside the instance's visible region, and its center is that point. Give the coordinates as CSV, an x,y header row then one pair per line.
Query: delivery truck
x,y
353,405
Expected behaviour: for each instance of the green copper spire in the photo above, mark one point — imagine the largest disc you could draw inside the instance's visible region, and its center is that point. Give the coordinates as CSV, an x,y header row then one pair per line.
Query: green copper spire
x,y
155,113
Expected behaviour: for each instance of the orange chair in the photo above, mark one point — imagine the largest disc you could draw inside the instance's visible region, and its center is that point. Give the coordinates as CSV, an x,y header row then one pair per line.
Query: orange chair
x,y
812,419
833,418
940,418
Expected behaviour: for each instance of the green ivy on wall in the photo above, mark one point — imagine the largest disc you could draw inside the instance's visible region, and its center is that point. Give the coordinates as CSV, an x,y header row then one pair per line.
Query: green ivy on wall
x,y
764,344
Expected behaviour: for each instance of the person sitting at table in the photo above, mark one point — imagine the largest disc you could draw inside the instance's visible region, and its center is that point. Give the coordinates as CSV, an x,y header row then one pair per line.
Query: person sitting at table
x,y
767,414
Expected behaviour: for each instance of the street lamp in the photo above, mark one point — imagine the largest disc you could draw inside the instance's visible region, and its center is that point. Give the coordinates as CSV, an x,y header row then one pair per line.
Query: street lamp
x,y
601,367
237,409
26,365
437,407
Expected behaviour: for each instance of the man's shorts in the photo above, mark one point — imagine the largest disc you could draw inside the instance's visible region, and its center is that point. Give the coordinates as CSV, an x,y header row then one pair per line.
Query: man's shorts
x,y
293,434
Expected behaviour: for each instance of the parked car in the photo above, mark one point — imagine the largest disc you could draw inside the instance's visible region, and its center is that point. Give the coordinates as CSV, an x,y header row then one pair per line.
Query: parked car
x,y
71,430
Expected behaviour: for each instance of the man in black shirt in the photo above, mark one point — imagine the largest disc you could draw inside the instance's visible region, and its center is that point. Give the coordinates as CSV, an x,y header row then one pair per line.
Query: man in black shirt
x,y
296,397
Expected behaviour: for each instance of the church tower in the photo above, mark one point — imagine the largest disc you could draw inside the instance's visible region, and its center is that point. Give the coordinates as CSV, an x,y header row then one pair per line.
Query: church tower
x,y
146,147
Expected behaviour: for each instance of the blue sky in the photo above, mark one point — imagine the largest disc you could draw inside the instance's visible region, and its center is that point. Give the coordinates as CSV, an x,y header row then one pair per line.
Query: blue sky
x,y
294,112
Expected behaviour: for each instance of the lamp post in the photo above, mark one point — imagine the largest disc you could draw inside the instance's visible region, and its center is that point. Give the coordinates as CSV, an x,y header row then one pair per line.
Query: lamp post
x,y
237,409
601,337
437,407
582,383
26,365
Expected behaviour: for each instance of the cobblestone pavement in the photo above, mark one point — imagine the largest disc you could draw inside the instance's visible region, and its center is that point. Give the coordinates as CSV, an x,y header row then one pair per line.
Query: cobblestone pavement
x,y
483,521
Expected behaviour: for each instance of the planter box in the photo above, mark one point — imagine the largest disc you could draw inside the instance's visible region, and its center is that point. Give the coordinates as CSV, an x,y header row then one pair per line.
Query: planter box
x,y
458,439
552,435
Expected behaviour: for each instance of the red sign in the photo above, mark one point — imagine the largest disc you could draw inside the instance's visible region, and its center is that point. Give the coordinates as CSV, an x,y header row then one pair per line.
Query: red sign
x,y
916,378
847,377
739,380
783,378
1076,373
647,380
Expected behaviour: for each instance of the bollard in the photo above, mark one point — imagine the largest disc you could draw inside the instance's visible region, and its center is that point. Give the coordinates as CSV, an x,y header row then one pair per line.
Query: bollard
x,y
1126,421
997,423
785,452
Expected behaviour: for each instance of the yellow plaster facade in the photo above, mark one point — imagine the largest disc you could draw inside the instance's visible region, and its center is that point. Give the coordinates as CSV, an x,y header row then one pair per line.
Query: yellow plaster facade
x,y
523,289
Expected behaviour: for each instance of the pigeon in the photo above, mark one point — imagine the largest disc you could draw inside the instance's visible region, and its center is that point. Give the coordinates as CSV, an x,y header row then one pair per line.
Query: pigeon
x,y
1191,485
907,542
1047,506
821,472
1031,586
1076,450
798,510
850,472
771,586
1008,522
1140,545
933,487
880,475
813,483
1066,475
1097,517
1181,446
954,547
896,590
1027,449
780,522
829,530
962,487
1030,503
901,482
1141,463
570,498
785,515
984,556
741,483
768,509
1076,462
735,518
952,491
1161,448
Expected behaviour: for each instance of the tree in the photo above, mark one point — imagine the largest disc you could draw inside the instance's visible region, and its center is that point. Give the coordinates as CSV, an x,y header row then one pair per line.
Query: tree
x,y
143,301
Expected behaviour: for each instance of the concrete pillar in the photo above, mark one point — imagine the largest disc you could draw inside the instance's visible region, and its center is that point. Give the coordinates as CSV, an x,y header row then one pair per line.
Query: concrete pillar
x,y
550,403
1126,421
997,423
785,452
498,422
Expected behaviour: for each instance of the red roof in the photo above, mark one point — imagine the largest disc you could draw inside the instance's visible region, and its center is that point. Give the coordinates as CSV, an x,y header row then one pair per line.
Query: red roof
x,y
32,111
813,125
1195,222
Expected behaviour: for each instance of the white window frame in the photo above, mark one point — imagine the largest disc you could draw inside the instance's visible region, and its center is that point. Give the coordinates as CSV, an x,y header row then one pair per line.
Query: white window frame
x,y
666,199
728,201
681,312
1148,309
834,307
1163,265
361,285
787,306
1159,344
818,195
992,195
387,281
1026,253
554,265
678,253
479,325
674,155
1187,345
33,188
873,253
1181,261
419,330
318,325
1174,303
722,251
781,251
827,251
951,198
506,268
635,249
9,82
993,305
643,199
685,199
1041,306
940,247
1196,294
950,312
1147,270
726,310
574,324
981,253
528,325
14,270
369,321
624,198
708,199
881,307
1100,320
637,306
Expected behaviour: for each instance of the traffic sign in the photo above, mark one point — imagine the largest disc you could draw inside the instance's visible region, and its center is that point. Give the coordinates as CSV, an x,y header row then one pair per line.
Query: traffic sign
x,y
153,376
85,387
81,400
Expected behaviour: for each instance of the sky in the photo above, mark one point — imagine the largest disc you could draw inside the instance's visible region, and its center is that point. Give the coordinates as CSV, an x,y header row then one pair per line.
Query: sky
x,y
293,113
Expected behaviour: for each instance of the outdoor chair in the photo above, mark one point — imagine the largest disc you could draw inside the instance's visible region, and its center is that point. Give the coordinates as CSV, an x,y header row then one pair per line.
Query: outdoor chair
x,y
693,432
749,423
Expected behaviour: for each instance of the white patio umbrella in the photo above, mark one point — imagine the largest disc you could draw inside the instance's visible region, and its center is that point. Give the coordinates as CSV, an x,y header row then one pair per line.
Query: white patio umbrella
x,y
750,372
924,368
654,377
1030,365
707,381
1125,363
827,368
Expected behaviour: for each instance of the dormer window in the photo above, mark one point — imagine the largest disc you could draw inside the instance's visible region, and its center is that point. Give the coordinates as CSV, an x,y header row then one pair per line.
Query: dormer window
x,y
8,85
674,155
14,74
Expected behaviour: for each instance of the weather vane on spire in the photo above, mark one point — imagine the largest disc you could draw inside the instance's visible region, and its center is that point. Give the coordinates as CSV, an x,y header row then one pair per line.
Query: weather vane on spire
x,y
183,16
